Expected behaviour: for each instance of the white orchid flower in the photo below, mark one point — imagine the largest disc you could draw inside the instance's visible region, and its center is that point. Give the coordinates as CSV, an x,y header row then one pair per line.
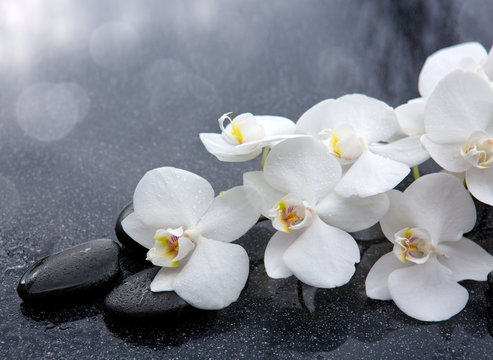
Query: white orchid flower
x,y
425,223
469,56
245,136
459,130
296,187
411,116
357,129
188,232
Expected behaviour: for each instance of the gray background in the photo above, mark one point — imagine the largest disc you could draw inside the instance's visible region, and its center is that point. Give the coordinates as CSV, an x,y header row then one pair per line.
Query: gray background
x,y
95,93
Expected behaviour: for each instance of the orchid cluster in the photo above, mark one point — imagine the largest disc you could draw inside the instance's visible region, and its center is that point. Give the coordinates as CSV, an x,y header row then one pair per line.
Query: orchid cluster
x,y
327,175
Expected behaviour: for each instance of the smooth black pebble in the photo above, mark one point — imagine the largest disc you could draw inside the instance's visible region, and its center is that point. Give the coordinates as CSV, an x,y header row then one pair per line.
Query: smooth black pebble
x,y
123,237
82,270
133,299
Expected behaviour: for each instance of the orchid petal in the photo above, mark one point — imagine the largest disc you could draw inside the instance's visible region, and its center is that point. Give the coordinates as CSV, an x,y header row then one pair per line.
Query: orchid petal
x,y
273,257
427,292
322,256
466,259
214,276
242,129
185,246
377,279
461,104
224,151
164,279
170,197
138,231
459,175
407,150
327,114
444,61
276,139
371,174
448,156
442,206
302,166
436,202
411,116
354,213
480,184
268,194
488,65
396,218
373,119
276,125
231,214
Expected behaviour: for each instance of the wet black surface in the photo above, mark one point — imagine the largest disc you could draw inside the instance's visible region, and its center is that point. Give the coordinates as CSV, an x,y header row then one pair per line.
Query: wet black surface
x,y
79,271
134,300
93,94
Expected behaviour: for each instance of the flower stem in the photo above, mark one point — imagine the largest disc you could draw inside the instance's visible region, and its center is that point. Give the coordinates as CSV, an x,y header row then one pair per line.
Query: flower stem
x,y
264,156
416,172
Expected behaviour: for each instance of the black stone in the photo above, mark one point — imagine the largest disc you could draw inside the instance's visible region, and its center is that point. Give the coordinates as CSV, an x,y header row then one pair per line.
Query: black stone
x,y
76,272
372,233
123,238
133,299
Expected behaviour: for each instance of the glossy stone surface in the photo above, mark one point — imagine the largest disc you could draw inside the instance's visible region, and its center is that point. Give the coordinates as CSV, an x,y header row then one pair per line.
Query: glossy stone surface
x,y
133,299
95,93
76,272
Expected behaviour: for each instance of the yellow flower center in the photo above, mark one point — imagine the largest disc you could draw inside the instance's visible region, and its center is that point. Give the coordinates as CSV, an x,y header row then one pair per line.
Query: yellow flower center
x,y
343,142
236,132
478,150
242,129
290,213
413,245
172,245
333,147
169,246
287,215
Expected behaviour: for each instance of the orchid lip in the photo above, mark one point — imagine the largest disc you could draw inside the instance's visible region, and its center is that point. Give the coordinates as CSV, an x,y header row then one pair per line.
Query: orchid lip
x,y
171,245
413,244
242,129
291,213
478,150
343,142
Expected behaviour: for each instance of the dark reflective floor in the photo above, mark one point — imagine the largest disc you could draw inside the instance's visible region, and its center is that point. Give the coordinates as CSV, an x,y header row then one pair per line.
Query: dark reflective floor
x,y
93,94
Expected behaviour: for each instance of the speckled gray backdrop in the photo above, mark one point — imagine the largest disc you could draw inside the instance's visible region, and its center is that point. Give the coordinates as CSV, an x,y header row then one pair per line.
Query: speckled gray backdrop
x,y
95,93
